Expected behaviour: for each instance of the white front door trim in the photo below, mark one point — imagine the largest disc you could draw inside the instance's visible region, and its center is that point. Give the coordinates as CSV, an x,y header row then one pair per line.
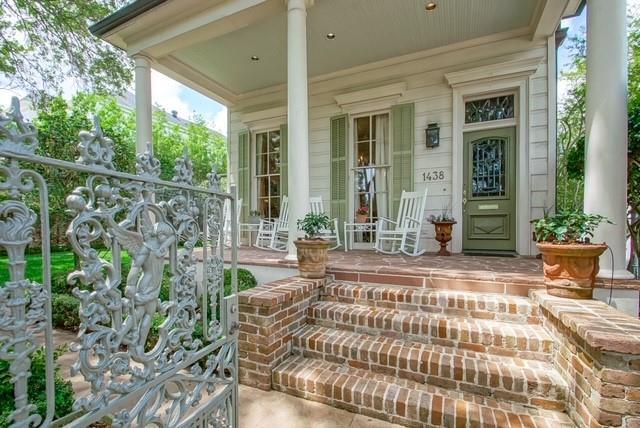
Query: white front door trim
x,y
519,85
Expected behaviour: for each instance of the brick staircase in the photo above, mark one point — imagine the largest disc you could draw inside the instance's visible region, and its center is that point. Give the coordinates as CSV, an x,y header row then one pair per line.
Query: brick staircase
x,y
426,357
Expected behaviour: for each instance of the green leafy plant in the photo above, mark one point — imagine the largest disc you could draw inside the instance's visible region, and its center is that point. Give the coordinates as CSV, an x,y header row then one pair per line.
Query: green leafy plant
x,y
65,312
444,216
64,396
568,227
312,224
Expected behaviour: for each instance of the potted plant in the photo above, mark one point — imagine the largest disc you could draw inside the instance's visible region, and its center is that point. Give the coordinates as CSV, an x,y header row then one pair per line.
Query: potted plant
x,y
312,249
254,217
443,224
362,214
570,260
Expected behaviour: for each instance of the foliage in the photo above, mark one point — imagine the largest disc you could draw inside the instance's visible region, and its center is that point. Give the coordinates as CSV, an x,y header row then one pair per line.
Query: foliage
x,y
45,42
444,216
312,224
568,227
64,396
65,312
246,280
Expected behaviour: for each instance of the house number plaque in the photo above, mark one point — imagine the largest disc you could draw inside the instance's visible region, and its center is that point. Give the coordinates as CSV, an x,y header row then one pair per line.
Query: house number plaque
x,y
433,175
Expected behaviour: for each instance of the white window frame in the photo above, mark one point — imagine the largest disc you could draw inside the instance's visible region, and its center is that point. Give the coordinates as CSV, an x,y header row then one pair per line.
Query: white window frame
x,y
254,175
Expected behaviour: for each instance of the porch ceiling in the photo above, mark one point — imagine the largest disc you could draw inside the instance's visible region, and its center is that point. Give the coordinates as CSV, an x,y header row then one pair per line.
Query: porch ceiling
x,y
209,44
366,31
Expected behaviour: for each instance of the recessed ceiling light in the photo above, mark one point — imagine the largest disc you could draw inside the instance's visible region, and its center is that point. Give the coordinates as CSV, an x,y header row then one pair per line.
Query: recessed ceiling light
x,y
430,6
255,58
330,36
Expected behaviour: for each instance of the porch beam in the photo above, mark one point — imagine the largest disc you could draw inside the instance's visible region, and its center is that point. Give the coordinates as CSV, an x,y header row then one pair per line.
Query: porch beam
x,y
605,184
216,21
298,117
547,20
144,133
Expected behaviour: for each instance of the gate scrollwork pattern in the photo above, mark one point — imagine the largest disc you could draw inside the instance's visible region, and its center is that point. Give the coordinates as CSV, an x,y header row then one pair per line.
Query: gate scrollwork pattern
x,y
132,341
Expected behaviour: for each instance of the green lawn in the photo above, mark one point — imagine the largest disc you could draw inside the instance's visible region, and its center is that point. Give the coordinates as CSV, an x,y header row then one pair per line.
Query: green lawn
x,y
62,263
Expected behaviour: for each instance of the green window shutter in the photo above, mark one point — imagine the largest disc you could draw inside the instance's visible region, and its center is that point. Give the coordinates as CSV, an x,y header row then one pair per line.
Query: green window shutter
x,y
402,128
339,126
244,172
284,161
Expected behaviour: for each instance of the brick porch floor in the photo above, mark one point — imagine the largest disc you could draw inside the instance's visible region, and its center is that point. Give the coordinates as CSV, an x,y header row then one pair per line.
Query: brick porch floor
x,y
511,275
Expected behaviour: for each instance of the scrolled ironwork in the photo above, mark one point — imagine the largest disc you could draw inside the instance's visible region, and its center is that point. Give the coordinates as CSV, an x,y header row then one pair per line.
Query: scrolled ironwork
x,y
133,340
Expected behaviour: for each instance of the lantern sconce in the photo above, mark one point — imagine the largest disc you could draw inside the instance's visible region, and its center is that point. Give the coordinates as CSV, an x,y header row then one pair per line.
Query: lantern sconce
x,y
433,135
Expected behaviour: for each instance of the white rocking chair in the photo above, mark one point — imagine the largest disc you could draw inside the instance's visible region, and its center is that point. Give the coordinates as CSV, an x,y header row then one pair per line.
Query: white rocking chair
x,y
317,207
273,234
403,235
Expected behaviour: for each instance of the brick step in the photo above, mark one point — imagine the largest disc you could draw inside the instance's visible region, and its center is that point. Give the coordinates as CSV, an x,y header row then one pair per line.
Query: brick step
x,y
495,337
404,401
524,381
501,307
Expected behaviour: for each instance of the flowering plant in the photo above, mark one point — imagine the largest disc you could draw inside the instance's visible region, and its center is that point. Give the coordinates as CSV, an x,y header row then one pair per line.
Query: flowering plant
x,y
364,210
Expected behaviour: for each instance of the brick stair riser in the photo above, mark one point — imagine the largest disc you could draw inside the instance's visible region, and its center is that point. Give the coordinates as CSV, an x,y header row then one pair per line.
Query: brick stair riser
x,y
404,402
438,332
499,308
471,375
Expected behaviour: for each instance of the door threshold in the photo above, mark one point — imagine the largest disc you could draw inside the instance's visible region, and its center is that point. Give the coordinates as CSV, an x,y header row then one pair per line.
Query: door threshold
x,y
489,253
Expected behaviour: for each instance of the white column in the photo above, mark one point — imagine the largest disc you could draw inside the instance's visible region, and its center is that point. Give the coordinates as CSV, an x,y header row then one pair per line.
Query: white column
x,y
298,116
605,185
143,103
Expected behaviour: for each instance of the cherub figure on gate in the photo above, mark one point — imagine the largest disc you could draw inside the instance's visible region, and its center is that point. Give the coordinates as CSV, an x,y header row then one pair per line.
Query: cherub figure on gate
x,y
148,249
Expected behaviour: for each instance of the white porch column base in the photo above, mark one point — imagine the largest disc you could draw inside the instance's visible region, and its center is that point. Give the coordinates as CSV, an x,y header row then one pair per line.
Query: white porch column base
x,y
298,118
144,133
617,274
605,183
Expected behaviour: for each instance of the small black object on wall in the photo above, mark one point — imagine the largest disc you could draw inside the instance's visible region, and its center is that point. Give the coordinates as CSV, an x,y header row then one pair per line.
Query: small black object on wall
x,y
433,135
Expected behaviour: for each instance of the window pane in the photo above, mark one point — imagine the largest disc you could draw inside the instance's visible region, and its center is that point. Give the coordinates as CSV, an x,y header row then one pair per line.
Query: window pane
x,y
274,185
263,186
275,207
362,128
261,164
274,163
487,109
362,156
261,143
488,177
274,141
263,207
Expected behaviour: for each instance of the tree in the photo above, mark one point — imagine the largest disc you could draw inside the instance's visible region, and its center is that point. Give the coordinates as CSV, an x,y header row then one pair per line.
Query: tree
x,y
44,42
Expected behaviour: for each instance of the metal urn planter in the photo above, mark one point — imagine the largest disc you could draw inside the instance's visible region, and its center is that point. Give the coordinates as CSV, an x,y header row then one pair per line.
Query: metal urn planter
x,y
444,230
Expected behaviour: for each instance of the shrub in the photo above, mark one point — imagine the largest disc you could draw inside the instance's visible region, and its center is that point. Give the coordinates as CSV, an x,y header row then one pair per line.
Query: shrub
x,y
64,396
568,227
65,312
246,280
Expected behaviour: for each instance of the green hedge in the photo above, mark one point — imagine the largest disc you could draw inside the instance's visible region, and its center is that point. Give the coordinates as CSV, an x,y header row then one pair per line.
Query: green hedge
x,y
64,396
65,312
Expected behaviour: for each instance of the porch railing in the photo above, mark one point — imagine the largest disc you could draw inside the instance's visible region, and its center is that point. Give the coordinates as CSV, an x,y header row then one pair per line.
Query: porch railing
x,y
187,375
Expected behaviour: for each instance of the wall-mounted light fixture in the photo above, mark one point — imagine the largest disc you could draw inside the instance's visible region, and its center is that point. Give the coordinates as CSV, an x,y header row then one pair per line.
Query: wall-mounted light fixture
x,y
433,135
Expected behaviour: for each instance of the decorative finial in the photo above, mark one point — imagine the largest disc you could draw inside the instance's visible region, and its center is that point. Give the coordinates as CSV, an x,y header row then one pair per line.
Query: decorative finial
x,y
183,170
16,135
95,149
146,164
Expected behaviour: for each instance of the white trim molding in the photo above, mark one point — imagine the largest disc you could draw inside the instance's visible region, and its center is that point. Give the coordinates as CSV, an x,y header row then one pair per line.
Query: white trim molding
x,y
265,119
519,84
366,100
525,66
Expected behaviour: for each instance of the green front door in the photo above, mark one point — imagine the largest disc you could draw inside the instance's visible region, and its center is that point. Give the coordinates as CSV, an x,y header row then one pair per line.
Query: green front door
x,y
489,194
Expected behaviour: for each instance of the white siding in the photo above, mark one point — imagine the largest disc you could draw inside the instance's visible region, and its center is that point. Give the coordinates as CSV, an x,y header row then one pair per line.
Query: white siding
x,y
429,90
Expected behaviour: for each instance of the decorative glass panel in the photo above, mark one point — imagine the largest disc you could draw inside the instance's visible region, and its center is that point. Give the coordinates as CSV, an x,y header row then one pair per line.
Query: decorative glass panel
x,y
488,177
488,109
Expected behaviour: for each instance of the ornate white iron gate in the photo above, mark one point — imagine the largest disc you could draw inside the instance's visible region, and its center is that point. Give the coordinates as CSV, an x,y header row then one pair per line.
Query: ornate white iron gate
x,y
184,379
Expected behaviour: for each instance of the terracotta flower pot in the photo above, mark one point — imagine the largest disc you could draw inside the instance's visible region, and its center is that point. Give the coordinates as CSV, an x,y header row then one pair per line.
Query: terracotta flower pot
x,y
443,235
312,257
361,218
570,269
